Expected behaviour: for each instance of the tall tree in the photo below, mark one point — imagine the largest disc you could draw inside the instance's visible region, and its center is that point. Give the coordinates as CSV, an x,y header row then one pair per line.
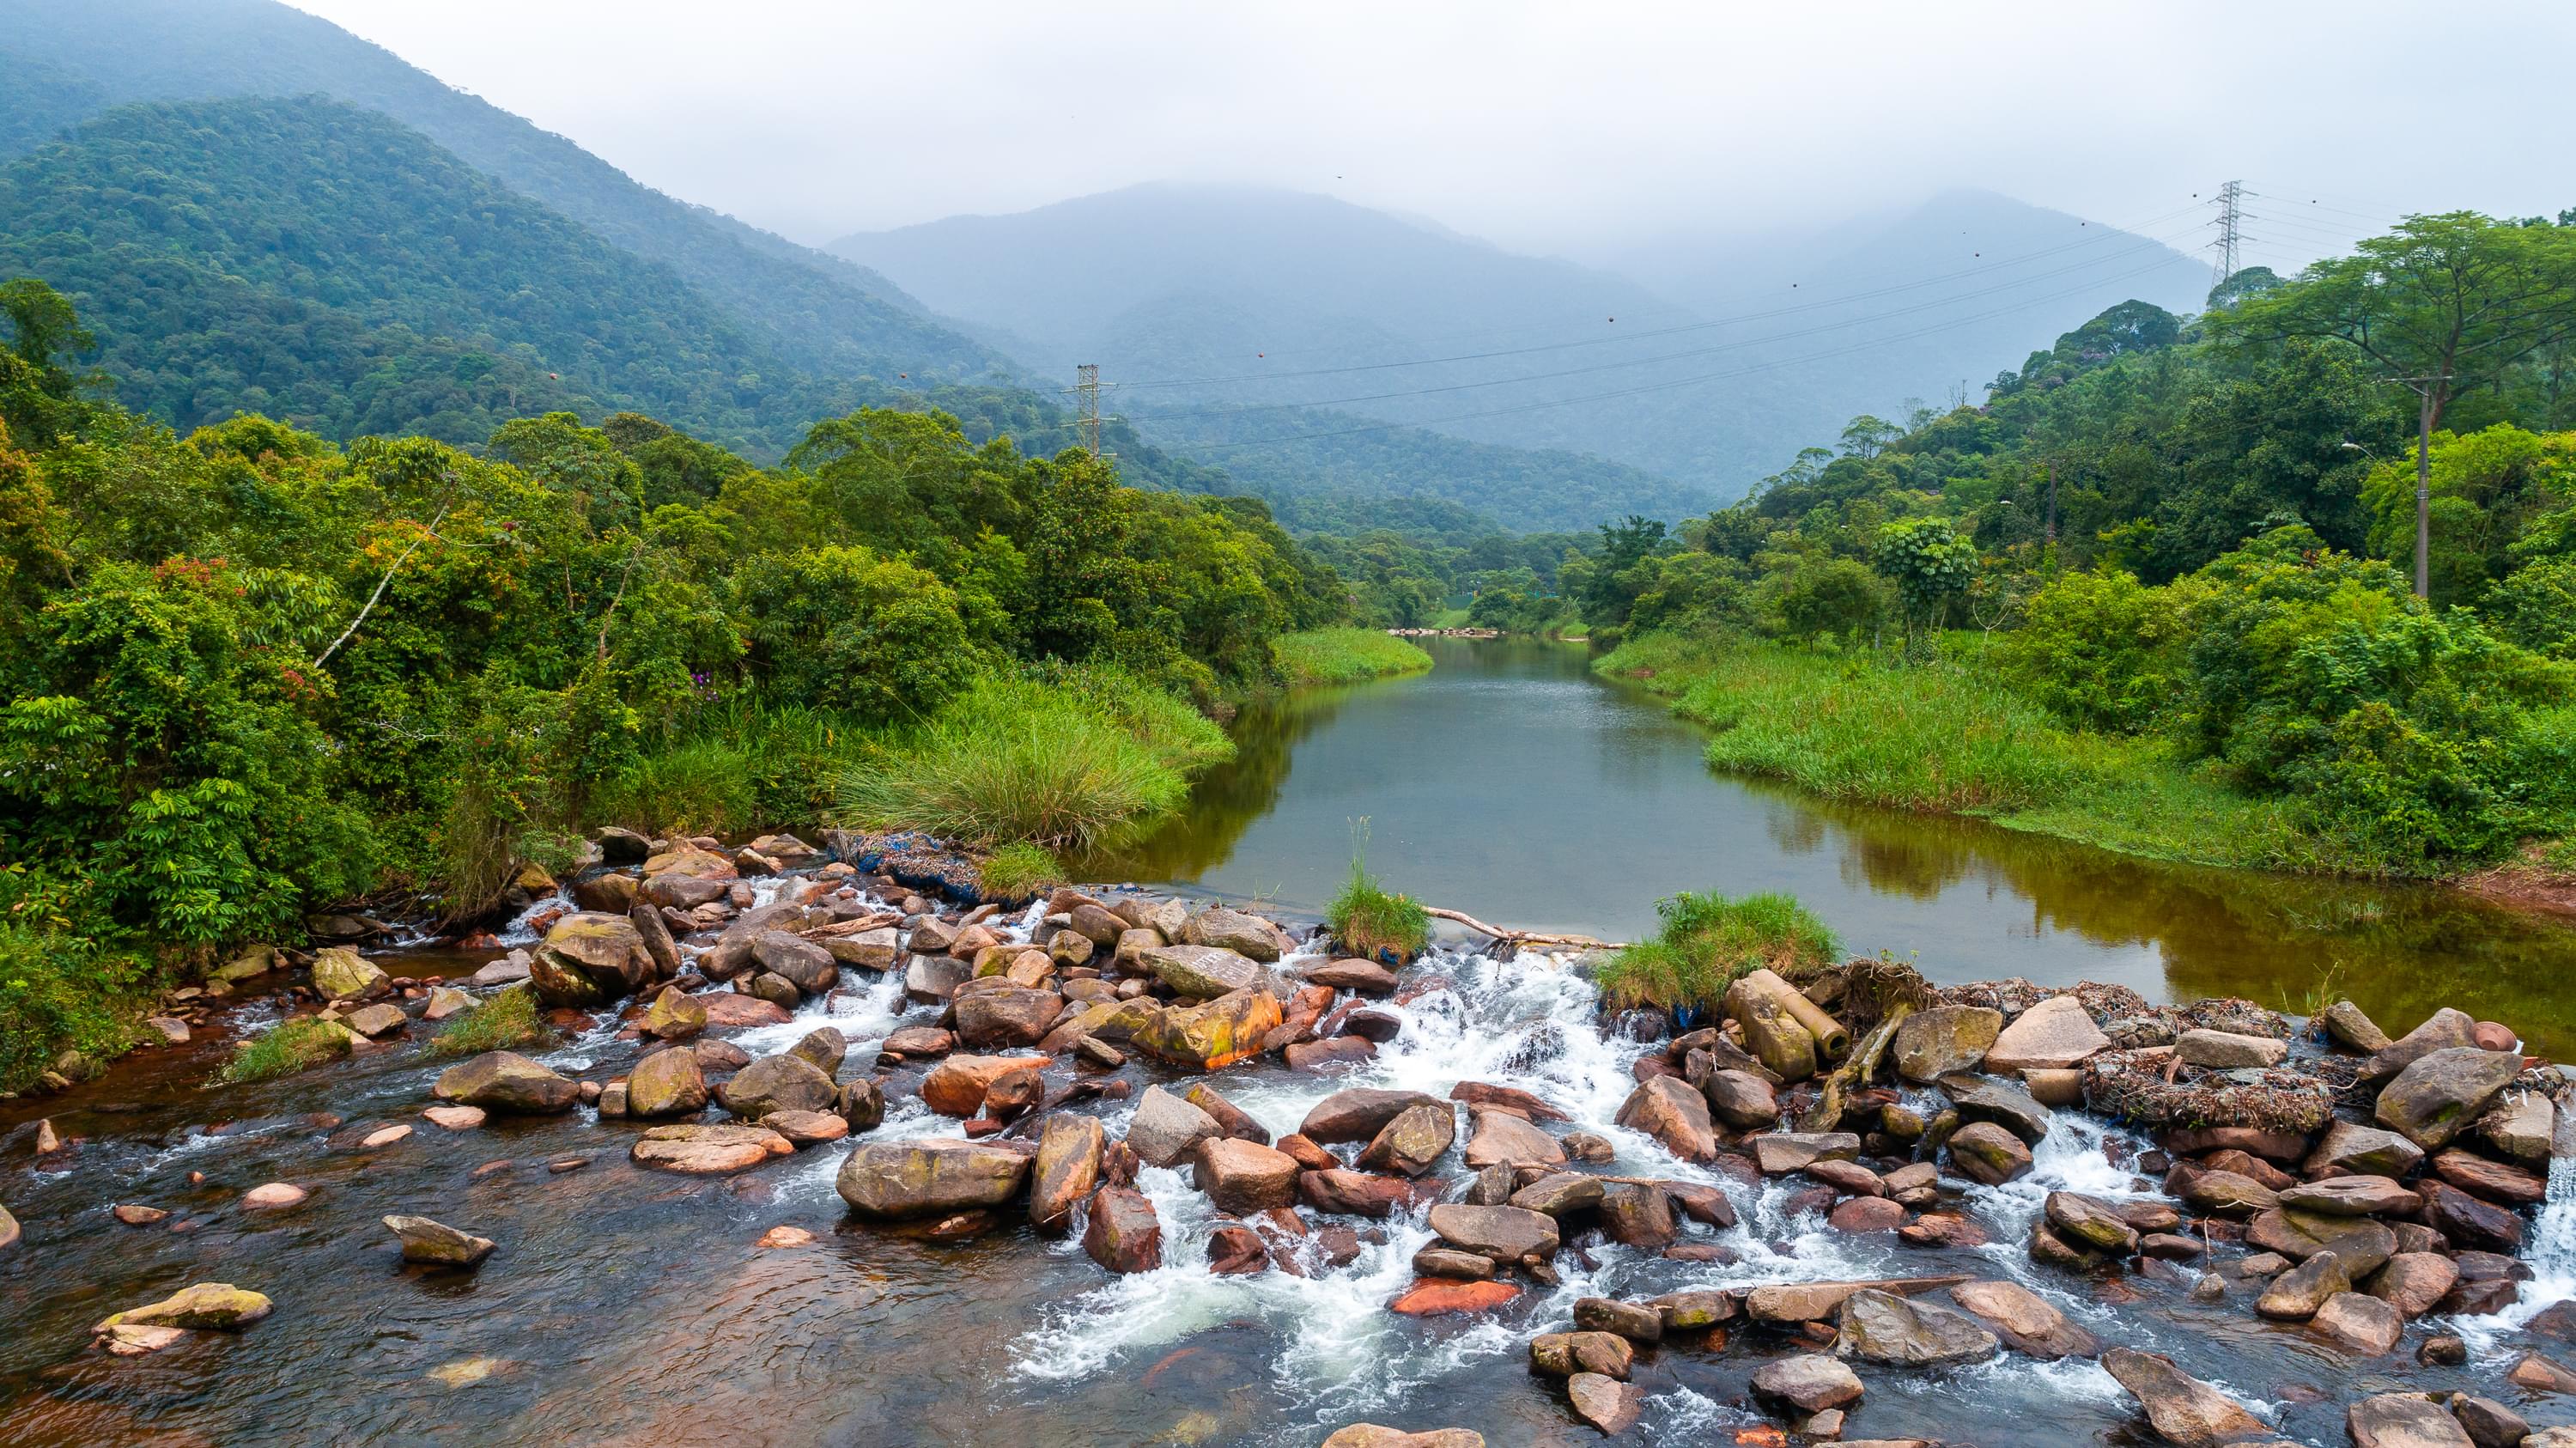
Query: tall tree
x,y
2446,303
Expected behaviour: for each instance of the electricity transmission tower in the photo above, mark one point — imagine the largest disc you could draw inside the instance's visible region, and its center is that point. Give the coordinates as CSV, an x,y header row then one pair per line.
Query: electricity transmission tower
x,y
2231,222
1086,410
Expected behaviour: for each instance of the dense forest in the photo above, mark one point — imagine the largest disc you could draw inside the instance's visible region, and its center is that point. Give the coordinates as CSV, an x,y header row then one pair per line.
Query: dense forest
x,y
252,672
2171,561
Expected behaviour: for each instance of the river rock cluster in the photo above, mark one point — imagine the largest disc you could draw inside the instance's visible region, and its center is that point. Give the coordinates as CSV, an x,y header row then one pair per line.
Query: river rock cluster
x,y
2322,1175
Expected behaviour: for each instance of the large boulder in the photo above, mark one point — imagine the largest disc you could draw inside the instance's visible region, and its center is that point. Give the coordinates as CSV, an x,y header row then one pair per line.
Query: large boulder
x,y
1931,1044
1213,1036
675,1015
1202,972
2001,1102
1067,1169
1506,1234
1167,1129
1665,1108
1337,1191
2351,1147
666,1083
876,949
2295,1295
2441,1093
2185,1411
2445,1030
809,965
1809,1382
1984,1152
2403,1420
1358,1114
1123,1235
777,1083
708,1149
1881,1327
2362,1242
340,973
506,1081
590,958
2024,1320
1247,935
2090,1222
1243,1177
2056,1032
656,935
929,1176
1742,1100
2469,1222
689,862
2229,1051
1413,1142
2360,1324
956,1086
2351,1196
1499,1138
1006,1015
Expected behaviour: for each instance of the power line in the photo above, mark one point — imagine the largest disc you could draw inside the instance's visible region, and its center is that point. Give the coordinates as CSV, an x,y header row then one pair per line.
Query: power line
x,y
1759,367
1233,410
1793,309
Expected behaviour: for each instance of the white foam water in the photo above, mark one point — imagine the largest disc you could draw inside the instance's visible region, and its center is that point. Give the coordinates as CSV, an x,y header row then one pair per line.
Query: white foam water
x,y
2549,1250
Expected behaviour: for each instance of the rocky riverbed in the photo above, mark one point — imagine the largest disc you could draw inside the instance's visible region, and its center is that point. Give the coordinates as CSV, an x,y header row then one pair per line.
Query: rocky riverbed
x,y
823,1153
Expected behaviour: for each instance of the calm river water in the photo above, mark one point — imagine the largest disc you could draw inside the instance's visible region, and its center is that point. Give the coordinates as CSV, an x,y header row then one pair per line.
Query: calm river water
x,y
1512,784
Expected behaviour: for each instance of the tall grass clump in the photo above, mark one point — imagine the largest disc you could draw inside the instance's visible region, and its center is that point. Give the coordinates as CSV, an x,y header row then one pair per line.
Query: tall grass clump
x,y
63,991
1061,762
1017,871
1368,920
505,1022
1345,656
286,1047
1707,942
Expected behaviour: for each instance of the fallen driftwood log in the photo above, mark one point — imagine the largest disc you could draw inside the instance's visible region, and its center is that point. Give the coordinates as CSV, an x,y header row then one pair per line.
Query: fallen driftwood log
x,y
1520,937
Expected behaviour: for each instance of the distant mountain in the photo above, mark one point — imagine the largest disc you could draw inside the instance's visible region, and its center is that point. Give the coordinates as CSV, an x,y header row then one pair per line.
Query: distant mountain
x,y
1227,309
819,312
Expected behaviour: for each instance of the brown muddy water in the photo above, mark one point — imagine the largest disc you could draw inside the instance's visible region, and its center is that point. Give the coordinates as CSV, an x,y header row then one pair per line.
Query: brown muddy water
x,y
626,1306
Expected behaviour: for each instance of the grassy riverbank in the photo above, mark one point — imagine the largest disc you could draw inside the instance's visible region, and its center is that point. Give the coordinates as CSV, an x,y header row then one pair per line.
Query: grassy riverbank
x,y
1950,736
1345,656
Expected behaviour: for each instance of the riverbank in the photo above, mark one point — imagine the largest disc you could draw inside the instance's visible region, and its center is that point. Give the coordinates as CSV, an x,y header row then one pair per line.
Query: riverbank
x,y
1946,738
922,1170
1344,656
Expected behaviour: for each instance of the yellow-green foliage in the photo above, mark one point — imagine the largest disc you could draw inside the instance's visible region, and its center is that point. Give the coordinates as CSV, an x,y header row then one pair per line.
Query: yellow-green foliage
x,y
287,1047
1708,942
505,1022
1018,870
1345,656
1063,762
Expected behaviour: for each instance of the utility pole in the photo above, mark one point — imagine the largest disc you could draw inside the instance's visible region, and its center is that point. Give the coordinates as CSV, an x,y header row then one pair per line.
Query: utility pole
x,y
2231,221
1086,391
2424,388
2052,502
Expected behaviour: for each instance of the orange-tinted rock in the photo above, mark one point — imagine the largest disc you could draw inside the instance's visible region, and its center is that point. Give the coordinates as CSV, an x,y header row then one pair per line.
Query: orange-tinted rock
x,y
1431,1296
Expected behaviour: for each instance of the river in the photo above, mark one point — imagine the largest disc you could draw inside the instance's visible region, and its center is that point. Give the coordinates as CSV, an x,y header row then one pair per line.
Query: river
x,y
1515,785
629,1306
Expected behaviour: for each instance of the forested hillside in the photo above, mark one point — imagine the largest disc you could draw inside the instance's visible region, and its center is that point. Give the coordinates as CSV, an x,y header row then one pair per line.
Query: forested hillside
x,y
2155,594
820,312
250,673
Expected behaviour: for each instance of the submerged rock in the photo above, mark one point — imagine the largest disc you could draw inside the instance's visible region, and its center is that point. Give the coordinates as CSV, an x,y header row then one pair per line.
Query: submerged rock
x,y
204,1307
2184,1410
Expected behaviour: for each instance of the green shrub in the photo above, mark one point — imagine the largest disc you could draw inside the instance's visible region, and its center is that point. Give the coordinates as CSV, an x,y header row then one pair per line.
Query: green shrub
x,y
60,991
1707,942
506,1022
844,628
2100,650
1370,922
1345,656
1017,870
287,1047
1062,762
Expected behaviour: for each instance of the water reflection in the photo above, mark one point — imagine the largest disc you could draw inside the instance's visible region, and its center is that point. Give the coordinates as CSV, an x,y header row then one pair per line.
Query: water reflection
x,y
1511,784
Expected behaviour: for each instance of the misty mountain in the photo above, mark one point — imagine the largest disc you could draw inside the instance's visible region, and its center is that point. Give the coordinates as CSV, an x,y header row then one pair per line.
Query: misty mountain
x,y
1220,313
822,313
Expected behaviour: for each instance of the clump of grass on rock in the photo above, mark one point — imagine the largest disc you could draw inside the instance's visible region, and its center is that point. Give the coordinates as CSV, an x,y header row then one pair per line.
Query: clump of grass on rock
x,y
505,1022
1017,871
1708,942
286,1048
1345,656
1371,922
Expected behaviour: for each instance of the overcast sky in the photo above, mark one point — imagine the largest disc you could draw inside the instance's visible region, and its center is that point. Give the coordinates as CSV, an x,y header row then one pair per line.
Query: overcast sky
x,y
1572,128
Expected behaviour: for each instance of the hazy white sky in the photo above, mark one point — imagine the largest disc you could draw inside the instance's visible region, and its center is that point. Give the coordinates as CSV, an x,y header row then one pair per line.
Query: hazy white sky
x,y
1548,126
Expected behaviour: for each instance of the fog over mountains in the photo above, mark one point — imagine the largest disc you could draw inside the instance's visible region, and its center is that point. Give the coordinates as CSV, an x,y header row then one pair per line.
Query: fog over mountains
x,y
1320,353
